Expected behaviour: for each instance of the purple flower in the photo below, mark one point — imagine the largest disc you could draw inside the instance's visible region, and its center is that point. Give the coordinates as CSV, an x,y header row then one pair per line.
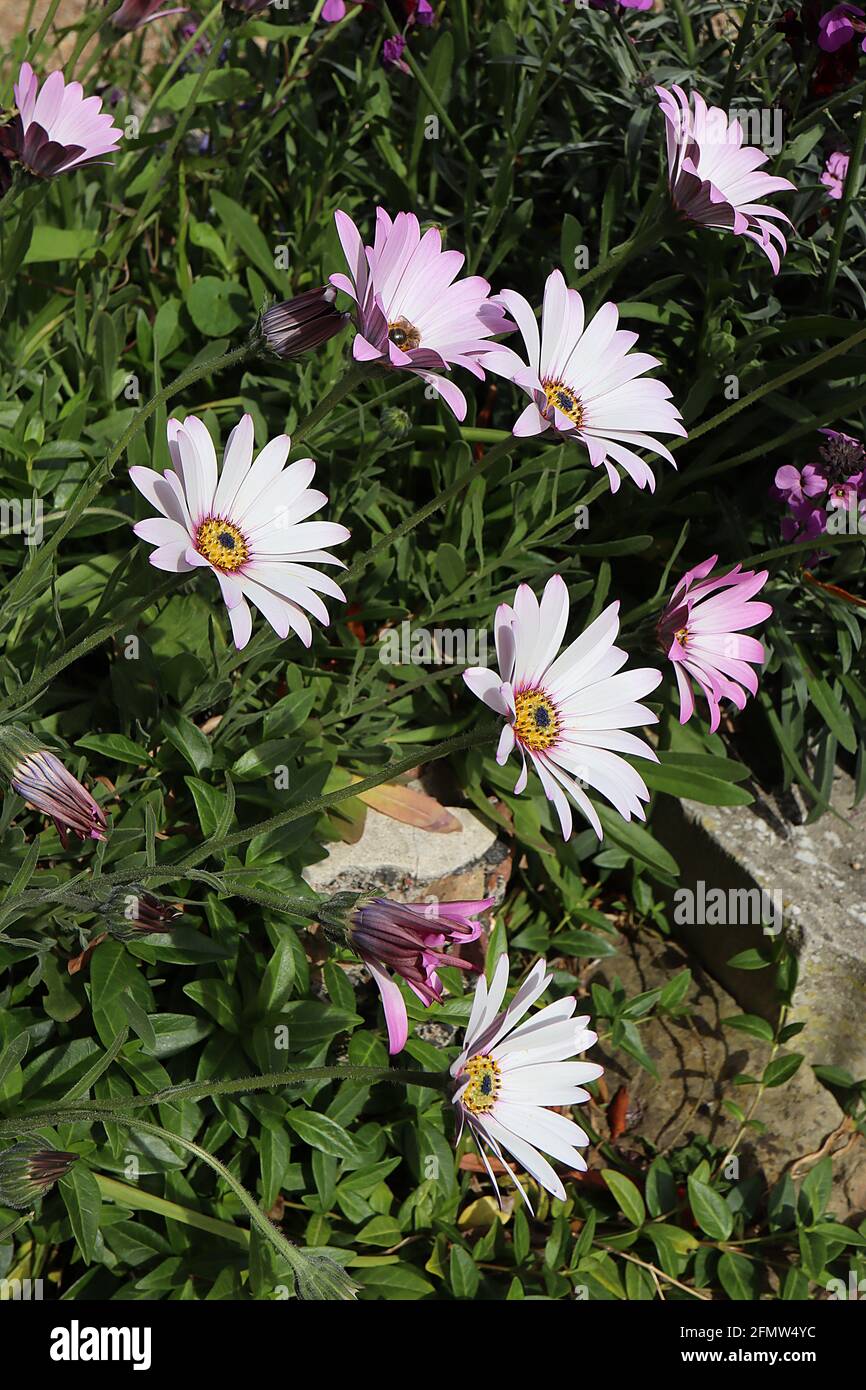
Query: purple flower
x,y
409,939
410,314
793,485
29,1169
333,10
701,631
133,14
38,775
835,174
839,26
57,128
392,53
715,179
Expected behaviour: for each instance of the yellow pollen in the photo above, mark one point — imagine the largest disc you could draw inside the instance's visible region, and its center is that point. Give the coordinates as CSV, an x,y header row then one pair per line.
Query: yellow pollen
x,y
537,722
404,334
485,1081
565,400
222,543
682,636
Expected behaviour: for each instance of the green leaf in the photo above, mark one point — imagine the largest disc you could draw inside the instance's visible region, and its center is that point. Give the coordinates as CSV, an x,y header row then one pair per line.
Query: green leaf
x,y
750,1023
323,1133
626,1196
245,230
781,1069
463,1274
117,747
189,740
710,1210
738,1277
83,1201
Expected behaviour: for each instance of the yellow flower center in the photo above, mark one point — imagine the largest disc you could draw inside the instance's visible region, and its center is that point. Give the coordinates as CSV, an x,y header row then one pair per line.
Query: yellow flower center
x,y
537,722
485,1081
222,543
404,334
682,636
565,401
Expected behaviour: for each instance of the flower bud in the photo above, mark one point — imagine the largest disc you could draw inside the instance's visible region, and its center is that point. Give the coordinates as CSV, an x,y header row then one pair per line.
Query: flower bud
x,y
38,775
29,1169
131,912
300,324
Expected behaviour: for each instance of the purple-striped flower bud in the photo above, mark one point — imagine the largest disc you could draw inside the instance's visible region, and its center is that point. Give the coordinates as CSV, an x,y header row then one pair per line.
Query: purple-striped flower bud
x,y
38,775
133,14
132,912
29,1169
300,324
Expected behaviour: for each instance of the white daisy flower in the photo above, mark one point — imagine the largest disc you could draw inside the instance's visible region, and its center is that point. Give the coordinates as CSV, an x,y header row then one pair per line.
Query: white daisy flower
x,y
507,1077
247,523
569,713
585,382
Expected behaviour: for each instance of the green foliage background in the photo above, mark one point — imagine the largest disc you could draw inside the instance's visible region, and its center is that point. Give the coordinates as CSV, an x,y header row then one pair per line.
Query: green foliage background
x,y
116,280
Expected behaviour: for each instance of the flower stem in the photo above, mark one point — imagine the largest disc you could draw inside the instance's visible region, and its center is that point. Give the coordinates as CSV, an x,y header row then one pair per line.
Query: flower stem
x,y
687,32
742,41
292,1254
28,581
851,179
651,229
343,387
499,451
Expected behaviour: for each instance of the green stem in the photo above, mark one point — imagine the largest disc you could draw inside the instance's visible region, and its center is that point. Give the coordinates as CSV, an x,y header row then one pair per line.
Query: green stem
x,y
22,588
851,179
27,693
826,356
500,450
687,32
344,387
743,37
126,235
640,240
294,1257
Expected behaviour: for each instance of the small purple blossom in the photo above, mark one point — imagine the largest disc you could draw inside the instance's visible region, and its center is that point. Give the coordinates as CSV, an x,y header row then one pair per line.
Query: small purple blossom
x,y
839,26
835,174
392,53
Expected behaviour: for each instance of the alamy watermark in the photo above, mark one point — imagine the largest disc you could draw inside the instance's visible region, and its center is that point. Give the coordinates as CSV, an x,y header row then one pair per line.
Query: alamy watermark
x,y
704,906
441,646
22,516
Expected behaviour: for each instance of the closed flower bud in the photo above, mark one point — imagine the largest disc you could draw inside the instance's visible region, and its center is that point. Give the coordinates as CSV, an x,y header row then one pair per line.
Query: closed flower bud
x,y
395,423
38,775
132,912
132,14
29,1169
300,324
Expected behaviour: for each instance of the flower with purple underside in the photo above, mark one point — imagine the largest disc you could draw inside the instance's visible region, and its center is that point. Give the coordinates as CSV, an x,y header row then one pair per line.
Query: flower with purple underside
x,y
57,128
134,14
38,775
510,1075
715,180
839,26
303,323
246,523
410,939
412,314
701,630
585,382
835,173
567,713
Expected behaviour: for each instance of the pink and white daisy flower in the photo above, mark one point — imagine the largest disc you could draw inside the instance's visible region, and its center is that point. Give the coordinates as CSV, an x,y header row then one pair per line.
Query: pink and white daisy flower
x,y
509,1074
835,173
701,631
585,382
567,713
410,940
57,128
246,523
410,314
715,180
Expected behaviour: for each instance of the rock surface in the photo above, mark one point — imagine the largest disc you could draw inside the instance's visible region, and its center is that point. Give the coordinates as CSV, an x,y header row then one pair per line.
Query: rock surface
x,y
697,1059
400,861
818,873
